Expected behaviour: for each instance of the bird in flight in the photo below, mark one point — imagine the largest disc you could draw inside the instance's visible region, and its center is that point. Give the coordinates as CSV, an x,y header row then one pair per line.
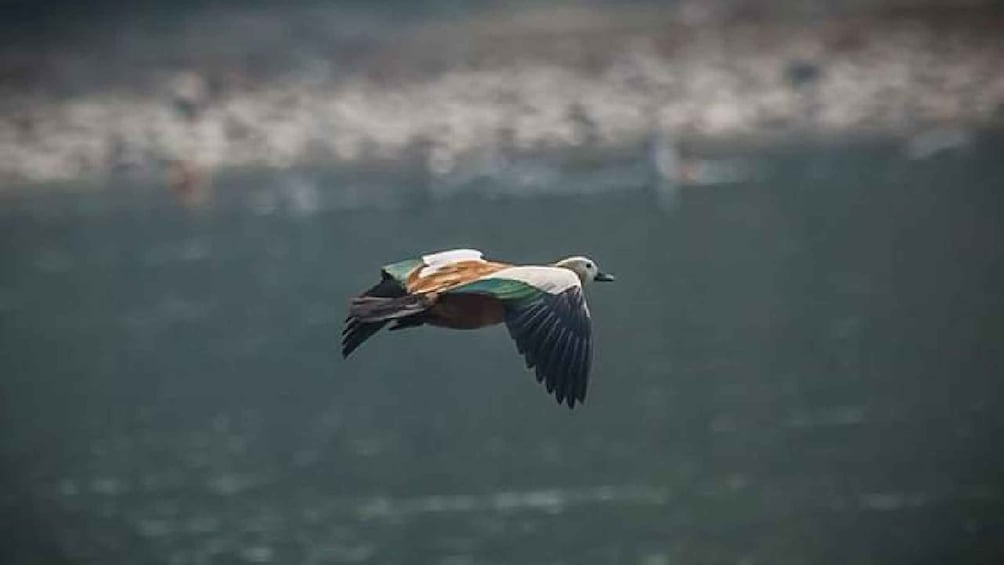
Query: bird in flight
x,y
543,307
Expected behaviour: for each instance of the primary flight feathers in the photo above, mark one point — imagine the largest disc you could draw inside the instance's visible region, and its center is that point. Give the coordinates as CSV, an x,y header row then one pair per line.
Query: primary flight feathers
x,y
543,307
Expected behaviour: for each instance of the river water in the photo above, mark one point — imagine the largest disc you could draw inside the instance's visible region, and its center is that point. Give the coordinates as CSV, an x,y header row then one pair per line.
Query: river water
x,y
801,365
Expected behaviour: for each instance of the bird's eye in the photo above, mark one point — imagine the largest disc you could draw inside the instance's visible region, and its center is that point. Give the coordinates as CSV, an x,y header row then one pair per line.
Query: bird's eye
x,y
589,265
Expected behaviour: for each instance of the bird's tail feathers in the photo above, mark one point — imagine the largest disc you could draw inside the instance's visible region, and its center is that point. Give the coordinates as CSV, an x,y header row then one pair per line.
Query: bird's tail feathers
x,y
369,309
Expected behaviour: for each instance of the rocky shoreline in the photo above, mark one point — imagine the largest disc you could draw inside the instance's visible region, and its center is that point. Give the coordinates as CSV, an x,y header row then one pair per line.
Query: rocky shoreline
x,y
454,93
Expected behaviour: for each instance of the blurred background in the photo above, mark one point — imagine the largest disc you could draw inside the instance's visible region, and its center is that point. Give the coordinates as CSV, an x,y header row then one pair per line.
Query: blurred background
x,y
800,361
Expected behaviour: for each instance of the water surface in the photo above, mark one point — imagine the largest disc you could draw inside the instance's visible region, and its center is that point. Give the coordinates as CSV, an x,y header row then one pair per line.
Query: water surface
x,y
801,367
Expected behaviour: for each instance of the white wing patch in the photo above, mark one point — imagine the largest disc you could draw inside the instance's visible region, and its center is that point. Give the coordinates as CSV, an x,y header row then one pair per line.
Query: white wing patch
x,y
552,280
436,261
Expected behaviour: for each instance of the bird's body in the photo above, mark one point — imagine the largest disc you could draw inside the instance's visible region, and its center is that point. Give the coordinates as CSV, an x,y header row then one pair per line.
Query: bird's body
x,y
543,307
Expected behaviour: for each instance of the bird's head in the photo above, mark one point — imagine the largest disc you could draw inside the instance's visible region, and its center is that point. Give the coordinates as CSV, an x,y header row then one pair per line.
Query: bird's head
x,y
585,268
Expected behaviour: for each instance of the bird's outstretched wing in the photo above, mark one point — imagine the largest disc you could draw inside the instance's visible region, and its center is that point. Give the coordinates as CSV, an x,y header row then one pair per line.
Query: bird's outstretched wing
x,y
355,331
554,334
552,328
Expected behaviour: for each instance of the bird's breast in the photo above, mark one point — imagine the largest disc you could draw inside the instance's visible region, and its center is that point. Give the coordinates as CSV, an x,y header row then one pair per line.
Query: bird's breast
x,y
466,311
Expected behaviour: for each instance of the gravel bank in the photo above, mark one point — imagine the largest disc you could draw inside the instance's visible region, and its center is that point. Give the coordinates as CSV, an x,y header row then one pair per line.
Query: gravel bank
x,y
530,82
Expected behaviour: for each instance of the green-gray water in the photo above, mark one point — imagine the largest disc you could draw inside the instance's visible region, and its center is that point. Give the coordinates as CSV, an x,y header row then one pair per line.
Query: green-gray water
x,y
799,368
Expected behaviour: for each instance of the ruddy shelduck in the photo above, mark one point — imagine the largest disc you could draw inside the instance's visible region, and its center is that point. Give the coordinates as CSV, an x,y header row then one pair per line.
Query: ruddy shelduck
x,y
543,307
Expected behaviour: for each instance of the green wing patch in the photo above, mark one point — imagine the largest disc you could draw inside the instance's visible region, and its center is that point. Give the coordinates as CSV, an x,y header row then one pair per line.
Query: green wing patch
x,y
399,271
506,290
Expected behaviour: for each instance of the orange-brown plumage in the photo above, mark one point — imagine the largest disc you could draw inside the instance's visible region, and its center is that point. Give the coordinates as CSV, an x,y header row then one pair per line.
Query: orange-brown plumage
x,y
466,311
449,276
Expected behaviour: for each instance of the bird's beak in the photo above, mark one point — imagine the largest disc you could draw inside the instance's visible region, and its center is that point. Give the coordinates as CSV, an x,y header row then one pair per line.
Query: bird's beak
x,y
604,277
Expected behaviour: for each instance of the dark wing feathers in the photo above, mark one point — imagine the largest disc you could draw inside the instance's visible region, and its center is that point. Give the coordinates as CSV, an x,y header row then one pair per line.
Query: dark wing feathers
x,y
559,365
584,357
554,335
356,332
